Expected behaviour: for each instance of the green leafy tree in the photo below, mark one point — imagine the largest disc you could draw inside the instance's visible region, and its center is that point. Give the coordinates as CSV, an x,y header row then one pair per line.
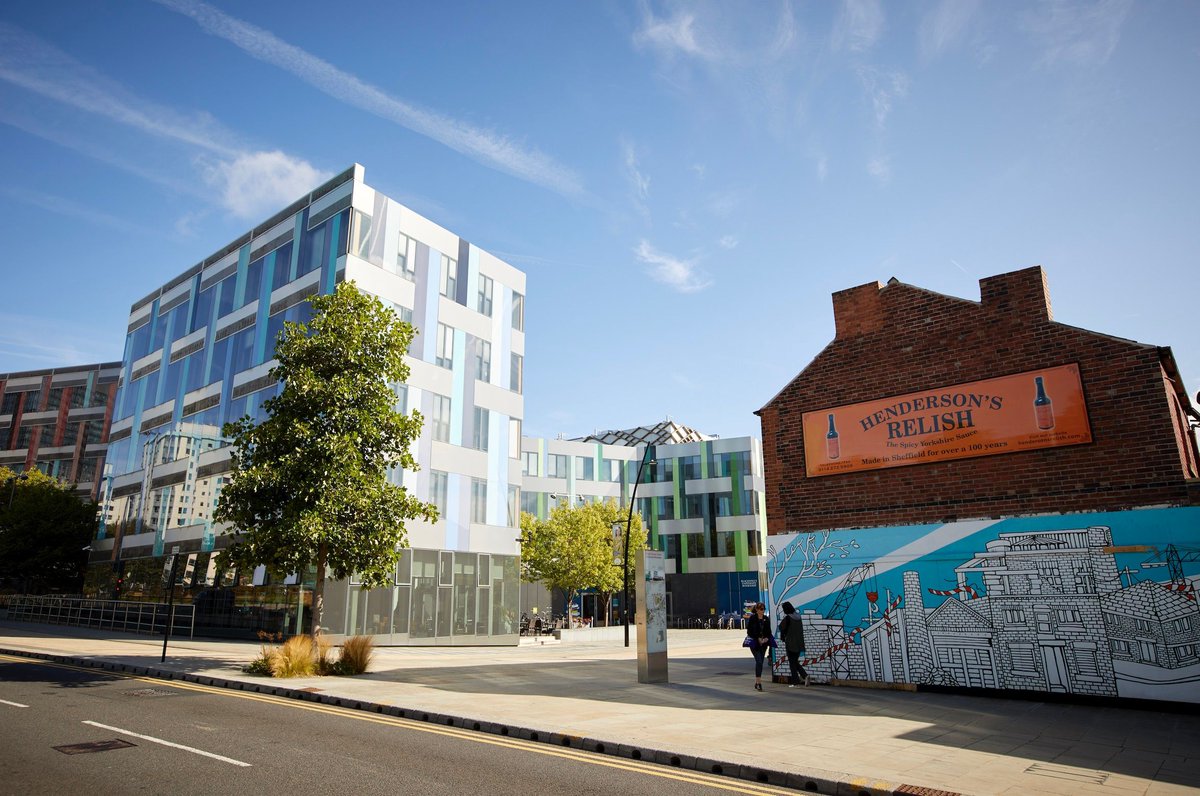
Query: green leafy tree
x,y
43,532
309,486
575,548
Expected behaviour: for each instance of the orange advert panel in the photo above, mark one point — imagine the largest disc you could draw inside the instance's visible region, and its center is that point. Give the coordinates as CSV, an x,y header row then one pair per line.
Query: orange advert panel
x,y
1025,411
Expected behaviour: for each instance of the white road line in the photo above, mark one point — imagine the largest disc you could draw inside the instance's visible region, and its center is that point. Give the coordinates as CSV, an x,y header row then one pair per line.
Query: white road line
x,y
152,739
14,704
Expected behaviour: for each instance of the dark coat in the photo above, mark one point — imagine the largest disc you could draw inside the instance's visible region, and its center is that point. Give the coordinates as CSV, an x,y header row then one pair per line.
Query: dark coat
x,y
758,628
791,631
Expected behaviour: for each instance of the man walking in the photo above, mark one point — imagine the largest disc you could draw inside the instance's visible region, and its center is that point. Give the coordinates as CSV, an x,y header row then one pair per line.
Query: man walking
x,y
792,633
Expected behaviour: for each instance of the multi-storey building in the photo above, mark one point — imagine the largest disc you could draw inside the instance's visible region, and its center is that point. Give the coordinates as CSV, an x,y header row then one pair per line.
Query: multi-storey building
x,y
198,354
701,501
57,421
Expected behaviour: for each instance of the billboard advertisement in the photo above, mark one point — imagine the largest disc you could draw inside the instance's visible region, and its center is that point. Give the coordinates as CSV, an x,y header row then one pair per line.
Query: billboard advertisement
x,y
1023,411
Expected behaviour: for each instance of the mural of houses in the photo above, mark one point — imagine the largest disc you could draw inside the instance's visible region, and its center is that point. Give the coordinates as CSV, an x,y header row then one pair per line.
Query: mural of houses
x,y
1036,610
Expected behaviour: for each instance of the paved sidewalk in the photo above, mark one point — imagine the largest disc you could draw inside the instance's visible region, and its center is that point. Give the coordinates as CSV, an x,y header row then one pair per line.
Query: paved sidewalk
x,y
845,740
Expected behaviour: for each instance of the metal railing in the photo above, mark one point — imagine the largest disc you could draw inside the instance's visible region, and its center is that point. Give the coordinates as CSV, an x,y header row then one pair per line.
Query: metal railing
x,y
127,616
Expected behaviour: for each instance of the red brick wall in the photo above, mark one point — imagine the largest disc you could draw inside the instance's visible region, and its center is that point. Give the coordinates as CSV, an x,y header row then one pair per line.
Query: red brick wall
x,y
897,339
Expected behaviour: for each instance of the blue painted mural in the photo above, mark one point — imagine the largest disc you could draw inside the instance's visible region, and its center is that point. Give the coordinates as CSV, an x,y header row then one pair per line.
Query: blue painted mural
x,y
1102,604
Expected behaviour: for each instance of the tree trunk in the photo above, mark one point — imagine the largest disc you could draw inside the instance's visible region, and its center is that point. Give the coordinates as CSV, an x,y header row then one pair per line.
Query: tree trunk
x,y
318,609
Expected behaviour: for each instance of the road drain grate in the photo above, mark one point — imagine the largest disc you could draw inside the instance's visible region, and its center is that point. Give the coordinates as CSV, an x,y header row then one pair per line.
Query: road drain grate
x,y
1067,773
94,746
149,692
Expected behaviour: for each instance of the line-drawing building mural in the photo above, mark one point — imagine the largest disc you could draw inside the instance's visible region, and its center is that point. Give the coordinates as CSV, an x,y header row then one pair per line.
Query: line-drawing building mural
x,y
1101,604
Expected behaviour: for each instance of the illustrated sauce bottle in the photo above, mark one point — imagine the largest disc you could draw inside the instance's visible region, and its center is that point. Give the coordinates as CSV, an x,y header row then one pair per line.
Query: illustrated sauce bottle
x,y
833,445
1043,409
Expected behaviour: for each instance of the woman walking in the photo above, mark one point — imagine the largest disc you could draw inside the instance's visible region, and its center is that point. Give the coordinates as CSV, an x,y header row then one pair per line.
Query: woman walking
x,y
758,639
792,633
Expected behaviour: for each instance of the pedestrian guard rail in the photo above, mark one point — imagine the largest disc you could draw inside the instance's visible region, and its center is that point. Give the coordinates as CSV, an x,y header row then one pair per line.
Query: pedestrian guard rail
x,y
124,615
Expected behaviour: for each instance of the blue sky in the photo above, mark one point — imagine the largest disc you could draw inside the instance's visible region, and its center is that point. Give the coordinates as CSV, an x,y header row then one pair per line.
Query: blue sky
x,y
684,184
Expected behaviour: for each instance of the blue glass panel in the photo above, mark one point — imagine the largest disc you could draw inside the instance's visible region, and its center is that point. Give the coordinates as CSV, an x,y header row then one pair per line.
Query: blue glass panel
x,y
204,304
151,382
159,334
194,379
283,263
253,281
243,350
220,353
226,286
312,252
171,381
139,342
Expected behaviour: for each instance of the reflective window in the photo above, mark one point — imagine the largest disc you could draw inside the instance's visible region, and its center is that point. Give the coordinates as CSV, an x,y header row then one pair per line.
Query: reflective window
x,y
478,500
514,503
483,302
406,258
439,484
445,346
439,419
282,266
479,436
585,468
483,360
202,315
529,463
556,465
254,275
225,291
516,375
449,277
518,312
610,470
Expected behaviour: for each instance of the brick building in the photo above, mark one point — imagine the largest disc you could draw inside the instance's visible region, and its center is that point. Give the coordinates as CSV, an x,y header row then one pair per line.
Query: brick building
x,y
57,421
1135,447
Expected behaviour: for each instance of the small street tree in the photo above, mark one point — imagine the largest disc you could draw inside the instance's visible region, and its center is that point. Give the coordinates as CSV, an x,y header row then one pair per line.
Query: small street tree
x,y
309,486
44,528
575,549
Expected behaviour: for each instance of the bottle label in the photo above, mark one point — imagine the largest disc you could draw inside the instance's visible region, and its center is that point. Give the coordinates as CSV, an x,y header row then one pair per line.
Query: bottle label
x,y
1045,416
833,447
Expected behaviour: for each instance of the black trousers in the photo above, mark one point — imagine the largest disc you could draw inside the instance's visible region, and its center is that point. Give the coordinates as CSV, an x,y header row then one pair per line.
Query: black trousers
x,y
795,667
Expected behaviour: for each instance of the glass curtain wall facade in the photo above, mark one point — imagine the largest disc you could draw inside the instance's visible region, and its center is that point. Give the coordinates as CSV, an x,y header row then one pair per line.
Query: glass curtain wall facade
x,y
198,354
702,502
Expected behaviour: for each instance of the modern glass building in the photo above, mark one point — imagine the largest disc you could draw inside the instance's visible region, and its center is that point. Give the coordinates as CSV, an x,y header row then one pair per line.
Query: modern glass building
x,y
57,421
198,353
702,502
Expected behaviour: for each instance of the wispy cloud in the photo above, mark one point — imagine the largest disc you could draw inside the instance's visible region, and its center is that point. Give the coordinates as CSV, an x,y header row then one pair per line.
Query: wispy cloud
x,y
670,37
638,181
1077,33
944,26
728,242
822,168
248,183
880,168
883,90
254,182
679,275
42,341
489,148
859,25
71,209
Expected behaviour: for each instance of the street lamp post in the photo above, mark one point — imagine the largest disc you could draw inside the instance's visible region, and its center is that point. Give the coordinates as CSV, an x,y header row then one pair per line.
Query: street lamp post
x,y
12,489
647,458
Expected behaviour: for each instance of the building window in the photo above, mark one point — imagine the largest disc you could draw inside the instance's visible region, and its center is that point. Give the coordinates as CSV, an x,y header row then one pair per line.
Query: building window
x,y
1181,624
556,465
516,376
449,277
518,312
514,506
1120,646
406,258
478,500
439,486
1143,626
1087,663
610,470
1014,616
585,468
1024,661
483,360
514,438
529,463
440,419
445,346
1185,652
690,465
484,302
479,437
406,315
401,391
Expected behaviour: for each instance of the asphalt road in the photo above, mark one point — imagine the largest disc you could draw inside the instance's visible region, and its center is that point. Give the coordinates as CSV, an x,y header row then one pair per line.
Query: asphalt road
x,y
71,730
